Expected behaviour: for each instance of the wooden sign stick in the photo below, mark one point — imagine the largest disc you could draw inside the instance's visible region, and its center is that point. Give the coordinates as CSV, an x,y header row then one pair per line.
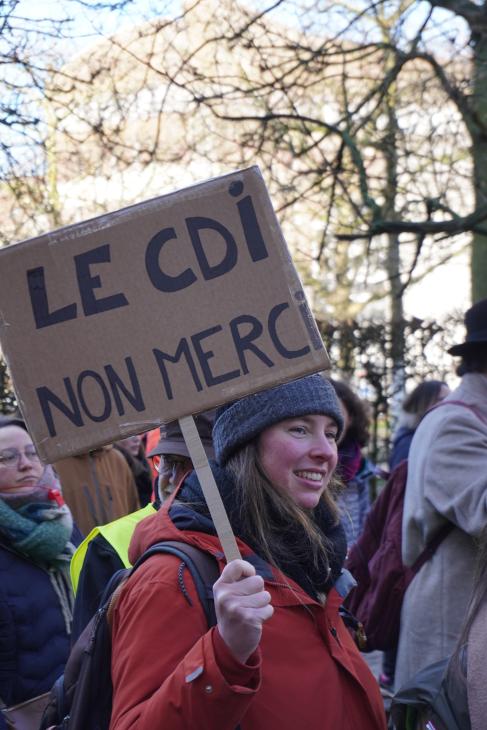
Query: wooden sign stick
x,y
210,490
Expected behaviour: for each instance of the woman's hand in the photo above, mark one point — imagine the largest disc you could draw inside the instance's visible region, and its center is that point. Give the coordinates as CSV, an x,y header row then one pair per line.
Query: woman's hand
x,y
242,605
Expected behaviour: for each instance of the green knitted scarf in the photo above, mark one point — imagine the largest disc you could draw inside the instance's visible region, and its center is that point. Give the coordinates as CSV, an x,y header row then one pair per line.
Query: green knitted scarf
x,y
36,522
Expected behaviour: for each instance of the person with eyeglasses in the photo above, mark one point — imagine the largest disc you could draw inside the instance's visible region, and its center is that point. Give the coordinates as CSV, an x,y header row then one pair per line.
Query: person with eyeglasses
x,y
171,457
105,549
170,468
37,541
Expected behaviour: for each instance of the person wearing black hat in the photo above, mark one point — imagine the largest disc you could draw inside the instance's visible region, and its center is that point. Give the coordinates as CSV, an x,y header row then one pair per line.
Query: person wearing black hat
x,y
37,541
474,350
279,657
447,483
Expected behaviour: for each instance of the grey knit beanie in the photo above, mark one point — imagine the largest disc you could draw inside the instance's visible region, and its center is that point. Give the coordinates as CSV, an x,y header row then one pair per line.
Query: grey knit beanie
x,y
239,422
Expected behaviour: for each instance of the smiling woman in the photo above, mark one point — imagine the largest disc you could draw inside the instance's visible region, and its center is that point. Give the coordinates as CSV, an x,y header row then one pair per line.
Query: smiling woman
x,y
36,543
276,608
299,456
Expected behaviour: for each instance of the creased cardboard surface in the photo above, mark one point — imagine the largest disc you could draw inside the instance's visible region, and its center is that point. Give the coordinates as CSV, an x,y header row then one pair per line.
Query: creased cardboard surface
x,y
161,310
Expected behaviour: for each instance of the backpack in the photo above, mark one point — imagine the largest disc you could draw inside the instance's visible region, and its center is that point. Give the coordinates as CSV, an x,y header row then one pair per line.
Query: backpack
x,y
81,698
431,700
375,560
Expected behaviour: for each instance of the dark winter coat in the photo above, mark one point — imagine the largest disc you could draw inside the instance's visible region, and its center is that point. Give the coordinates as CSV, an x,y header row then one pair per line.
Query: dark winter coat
x,y
101,554
400,446
103,562
34,632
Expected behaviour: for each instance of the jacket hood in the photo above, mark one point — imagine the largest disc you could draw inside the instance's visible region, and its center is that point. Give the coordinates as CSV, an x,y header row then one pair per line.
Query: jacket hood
x,y
188,520
401,433
176,521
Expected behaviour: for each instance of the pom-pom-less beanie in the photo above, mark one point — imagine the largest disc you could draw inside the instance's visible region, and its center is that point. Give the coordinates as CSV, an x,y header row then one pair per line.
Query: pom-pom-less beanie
x,y
239,422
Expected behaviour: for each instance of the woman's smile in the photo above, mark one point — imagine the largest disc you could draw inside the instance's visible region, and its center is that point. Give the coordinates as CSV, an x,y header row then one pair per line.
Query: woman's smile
x,y
315,477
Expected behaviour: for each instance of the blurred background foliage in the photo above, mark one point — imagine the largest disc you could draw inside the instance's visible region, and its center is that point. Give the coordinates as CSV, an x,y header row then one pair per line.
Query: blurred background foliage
x,y
368,121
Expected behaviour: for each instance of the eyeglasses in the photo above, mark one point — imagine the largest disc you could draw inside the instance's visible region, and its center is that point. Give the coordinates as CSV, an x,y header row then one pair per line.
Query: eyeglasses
x,y
168,463
11,457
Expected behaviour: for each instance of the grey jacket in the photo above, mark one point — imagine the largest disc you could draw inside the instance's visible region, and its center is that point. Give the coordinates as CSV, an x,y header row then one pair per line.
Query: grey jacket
x,y
447,480
476,670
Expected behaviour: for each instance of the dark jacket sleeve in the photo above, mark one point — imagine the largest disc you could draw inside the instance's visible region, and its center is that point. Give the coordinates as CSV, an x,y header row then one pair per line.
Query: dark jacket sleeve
x,y
100,563
76,536
400,449
7,656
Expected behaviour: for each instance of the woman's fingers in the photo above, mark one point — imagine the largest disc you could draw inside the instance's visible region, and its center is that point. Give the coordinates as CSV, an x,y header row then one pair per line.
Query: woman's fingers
x,y
235,570
245,586
242,605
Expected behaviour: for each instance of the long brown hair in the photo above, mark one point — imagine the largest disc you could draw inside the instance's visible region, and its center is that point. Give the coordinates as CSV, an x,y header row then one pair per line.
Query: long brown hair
x,y
419,400
358,410
258,499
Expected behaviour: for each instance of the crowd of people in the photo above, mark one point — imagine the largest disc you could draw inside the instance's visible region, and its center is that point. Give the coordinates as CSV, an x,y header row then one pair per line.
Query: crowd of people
x,y
292,468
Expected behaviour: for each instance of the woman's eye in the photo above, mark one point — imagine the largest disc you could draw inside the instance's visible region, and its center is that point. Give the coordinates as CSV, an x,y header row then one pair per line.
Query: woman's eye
x,y
331,435
298,429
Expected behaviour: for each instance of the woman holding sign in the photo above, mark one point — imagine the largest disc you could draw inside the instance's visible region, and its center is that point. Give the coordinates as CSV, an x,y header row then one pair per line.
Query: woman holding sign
x,y
280,657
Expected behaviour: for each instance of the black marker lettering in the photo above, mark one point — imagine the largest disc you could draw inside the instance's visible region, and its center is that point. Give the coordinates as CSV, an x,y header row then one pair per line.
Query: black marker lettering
x,y
246,342
71,411
195,225
182,349
250,224
159,279
88,283
117,386
205,355
40,305
274,315
107,403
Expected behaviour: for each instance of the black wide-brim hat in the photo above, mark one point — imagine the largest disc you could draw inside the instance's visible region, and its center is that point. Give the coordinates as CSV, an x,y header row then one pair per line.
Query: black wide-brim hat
x,y
476,325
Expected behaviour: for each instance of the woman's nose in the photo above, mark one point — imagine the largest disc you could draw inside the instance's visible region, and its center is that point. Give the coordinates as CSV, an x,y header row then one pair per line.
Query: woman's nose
x,y
23,461
323,448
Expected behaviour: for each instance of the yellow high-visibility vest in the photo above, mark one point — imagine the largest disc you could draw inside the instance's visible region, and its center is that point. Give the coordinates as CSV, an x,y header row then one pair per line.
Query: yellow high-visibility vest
x,y
118,533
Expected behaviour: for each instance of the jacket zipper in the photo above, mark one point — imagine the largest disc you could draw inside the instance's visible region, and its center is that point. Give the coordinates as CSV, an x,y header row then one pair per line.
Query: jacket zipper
x,y
334,633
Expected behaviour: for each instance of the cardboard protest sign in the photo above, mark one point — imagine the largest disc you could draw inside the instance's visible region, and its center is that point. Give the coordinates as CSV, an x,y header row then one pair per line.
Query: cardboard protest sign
x,y
151,313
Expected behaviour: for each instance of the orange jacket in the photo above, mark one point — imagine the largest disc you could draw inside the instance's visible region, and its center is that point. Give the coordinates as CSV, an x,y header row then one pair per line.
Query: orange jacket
x,y
170,673
98,487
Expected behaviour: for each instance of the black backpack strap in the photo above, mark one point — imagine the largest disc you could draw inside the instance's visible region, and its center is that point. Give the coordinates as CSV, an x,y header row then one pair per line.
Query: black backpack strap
x,y
202,566
431,547
113,583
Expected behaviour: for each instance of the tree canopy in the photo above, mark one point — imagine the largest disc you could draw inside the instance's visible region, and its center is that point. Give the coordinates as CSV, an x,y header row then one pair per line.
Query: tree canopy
x,y
367,120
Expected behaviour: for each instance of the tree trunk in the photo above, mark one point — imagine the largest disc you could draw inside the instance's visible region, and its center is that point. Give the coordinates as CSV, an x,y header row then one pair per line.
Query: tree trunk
x,y
397,345
479,154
